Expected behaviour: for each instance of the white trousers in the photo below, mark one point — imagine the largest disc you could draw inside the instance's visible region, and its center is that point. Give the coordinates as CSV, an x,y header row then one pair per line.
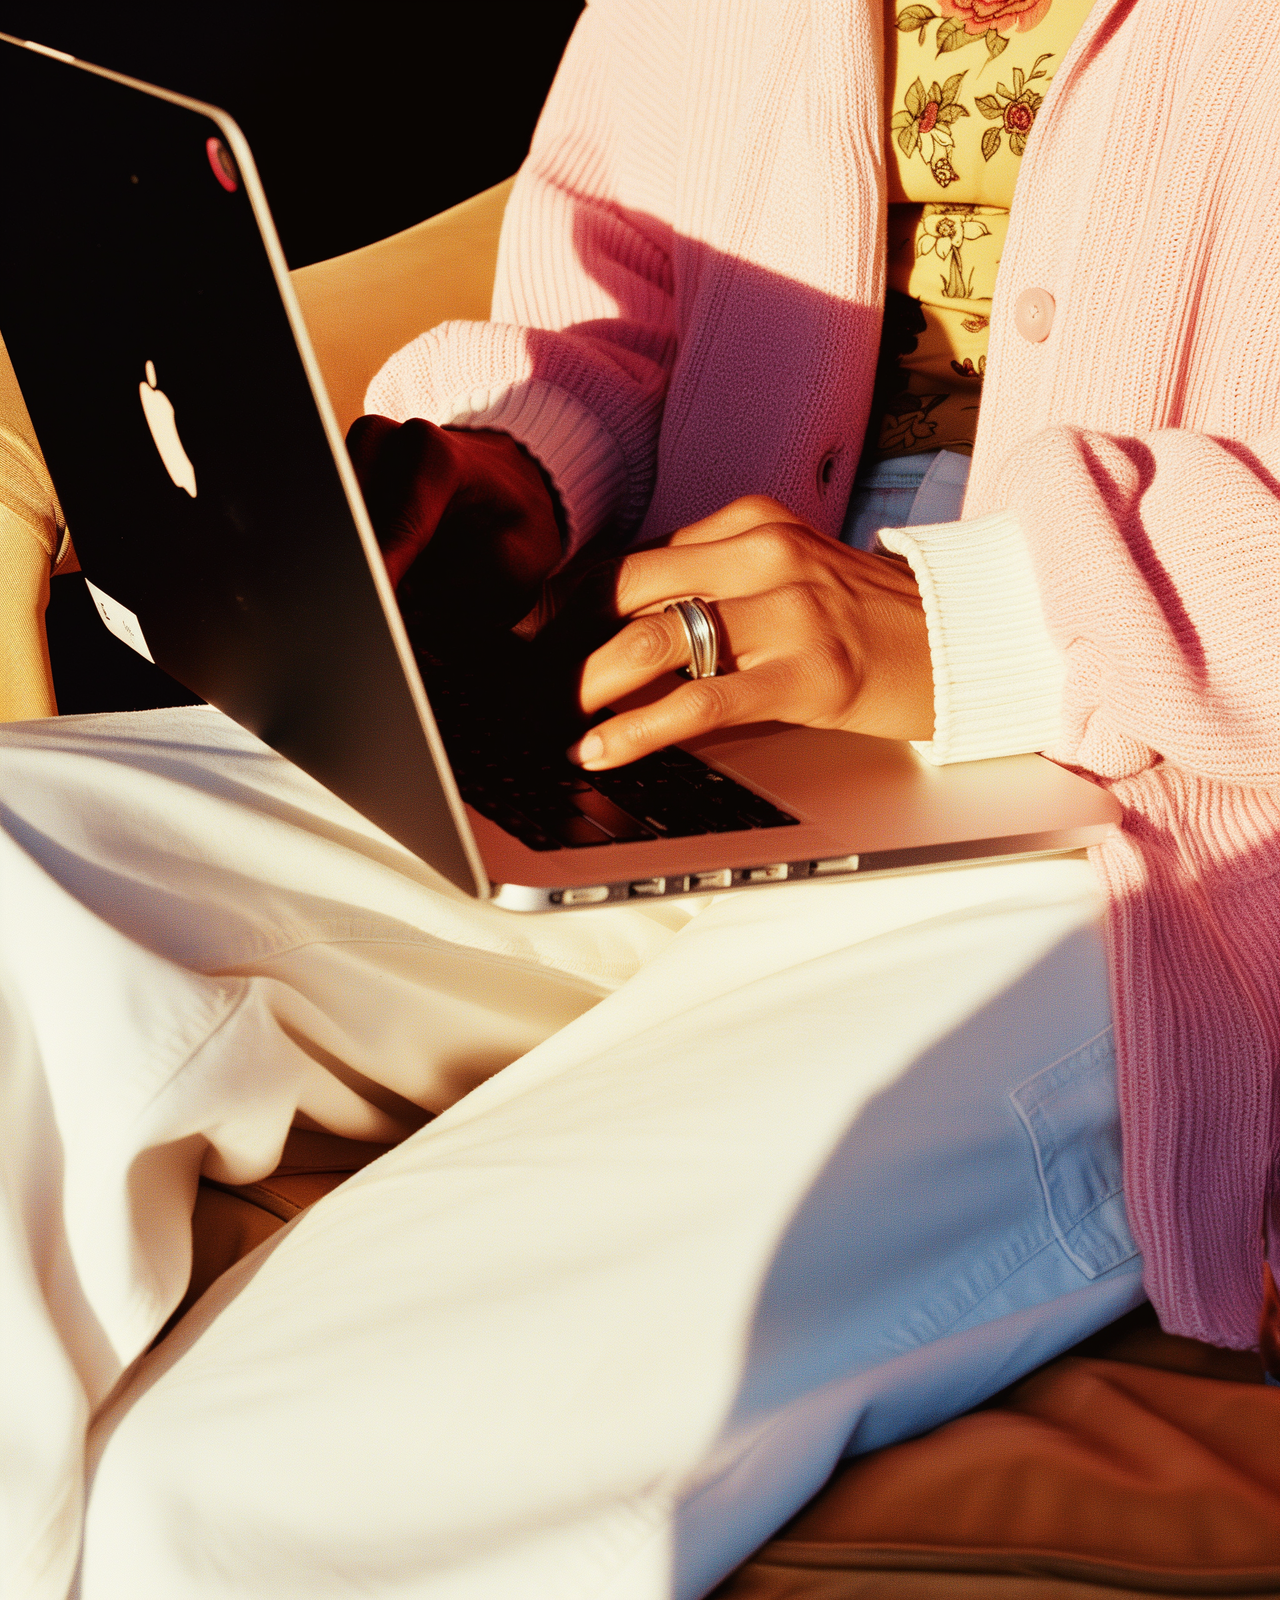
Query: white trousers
x,y
716,1192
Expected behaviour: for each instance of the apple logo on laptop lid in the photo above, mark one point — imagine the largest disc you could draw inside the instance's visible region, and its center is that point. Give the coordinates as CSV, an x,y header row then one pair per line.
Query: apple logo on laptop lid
x,y
158,410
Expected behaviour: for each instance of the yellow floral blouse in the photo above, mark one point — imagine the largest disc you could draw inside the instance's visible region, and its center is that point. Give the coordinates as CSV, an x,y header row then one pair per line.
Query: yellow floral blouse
x,y
965,79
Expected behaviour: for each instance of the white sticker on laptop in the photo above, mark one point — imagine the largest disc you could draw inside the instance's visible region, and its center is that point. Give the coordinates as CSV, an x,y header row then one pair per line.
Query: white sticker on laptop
x,y
120,620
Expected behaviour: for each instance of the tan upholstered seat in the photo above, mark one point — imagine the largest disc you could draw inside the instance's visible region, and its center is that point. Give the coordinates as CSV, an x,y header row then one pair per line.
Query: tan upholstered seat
x,y
362,307
1151,1467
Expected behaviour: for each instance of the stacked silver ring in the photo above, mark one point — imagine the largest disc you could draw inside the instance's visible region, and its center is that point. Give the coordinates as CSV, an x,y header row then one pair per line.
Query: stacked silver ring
x,y
704,639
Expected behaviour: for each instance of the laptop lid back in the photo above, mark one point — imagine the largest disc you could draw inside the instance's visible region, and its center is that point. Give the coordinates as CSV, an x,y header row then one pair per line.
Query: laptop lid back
x,y
148,312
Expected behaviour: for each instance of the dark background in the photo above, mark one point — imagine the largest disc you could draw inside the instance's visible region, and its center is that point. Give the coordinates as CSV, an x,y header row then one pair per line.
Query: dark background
x,y
363,119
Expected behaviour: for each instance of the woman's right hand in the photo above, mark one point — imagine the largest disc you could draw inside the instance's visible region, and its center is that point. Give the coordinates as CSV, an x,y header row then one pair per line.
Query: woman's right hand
x,y
811,632
467,522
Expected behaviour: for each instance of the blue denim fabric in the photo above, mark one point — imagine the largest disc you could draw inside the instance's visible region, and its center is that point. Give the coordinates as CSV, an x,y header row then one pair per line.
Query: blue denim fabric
x,y
882,496
1040,1254
905,492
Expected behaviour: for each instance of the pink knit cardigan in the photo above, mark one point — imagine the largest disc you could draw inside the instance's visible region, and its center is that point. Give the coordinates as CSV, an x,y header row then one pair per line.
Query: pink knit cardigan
x,y
688,309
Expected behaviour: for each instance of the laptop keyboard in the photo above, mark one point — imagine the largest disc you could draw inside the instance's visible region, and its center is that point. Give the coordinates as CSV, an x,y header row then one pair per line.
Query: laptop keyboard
x,y
510,765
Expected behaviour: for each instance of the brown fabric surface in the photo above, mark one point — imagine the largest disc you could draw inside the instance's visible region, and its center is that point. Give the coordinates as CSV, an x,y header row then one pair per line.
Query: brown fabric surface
x,y
312,1164
1091,1477
756,1582
229,1220
1139,1340
224,1227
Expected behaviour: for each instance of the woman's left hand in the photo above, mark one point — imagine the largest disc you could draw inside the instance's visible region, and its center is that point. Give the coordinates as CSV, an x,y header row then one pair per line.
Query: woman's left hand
x,y
811,632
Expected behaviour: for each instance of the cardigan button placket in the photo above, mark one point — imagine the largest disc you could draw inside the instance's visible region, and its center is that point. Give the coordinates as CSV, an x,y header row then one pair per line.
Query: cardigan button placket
x,y
1033,314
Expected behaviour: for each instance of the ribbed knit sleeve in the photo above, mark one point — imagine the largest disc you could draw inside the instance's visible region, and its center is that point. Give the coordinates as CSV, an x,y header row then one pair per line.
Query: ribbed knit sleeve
x,y
576,361
997,676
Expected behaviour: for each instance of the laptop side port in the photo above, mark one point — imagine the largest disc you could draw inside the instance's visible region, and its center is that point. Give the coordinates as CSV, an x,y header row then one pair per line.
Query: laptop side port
x,y
834,864
722,878
646,888
774,874
584,897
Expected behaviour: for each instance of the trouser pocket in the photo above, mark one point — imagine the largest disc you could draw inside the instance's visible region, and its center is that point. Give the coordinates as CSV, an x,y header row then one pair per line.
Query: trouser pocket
x,y
1072,1116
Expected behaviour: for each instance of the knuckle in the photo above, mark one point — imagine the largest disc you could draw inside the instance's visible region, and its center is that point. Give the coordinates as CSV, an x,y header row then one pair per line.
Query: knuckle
x,y
647,641
799,604
762,507
796,615
636,735
832,672
773,549
706,701
828,659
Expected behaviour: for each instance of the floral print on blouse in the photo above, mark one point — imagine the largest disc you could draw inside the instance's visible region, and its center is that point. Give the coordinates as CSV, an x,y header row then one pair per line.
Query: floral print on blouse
x,y
968,78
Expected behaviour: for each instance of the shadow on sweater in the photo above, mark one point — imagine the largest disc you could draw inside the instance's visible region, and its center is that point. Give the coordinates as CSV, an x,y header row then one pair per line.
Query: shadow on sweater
x,y
715,377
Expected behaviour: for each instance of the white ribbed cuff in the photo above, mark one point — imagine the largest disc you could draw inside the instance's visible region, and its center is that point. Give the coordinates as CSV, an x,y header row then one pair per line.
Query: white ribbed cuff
x,y
582,460
997,676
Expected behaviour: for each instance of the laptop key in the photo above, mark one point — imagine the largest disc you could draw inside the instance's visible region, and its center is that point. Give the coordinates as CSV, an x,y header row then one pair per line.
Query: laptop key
x,y
517,775
578,831
761,813
616,822
526,829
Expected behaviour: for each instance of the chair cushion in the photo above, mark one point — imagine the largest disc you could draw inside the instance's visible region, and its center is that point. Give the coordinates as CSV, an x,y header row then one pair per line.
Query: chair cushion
x,y
1093,1477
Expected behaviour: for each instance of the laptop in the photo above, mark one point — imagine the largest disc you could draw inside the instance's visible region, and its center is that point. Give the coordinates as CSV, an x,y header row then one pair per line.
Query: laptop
x,y
149,315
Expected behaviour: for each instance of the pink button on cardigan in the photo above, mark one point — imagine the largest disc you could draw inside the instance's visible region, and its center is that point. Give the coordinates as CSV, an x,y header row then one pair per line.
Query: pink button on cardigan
x,y
688,309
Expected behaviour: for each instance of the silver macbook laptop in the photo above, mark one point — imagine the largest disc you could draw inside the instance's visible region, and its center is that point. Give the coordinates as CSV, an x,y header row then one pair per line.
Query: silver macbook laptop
x,y
151,322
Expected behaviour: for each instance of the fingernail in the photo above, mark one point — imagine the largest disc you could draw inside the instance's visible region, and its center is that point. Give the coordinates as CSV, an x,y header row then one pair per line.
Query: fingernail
x,y
587,749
